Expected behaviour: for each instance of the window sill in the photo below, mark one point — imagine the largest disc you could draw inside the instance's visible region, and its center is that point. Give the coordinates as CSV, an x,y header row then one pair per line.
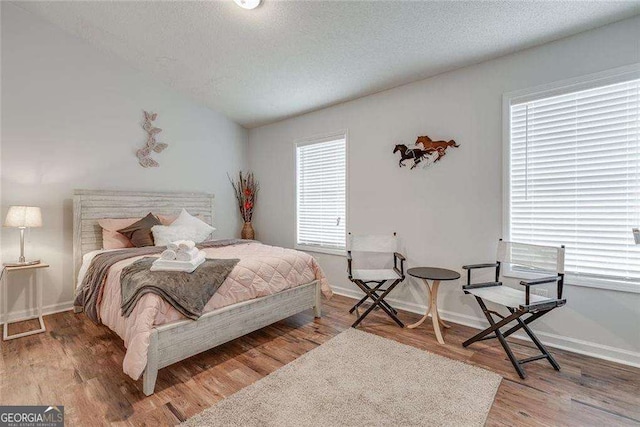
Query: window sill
x,y
618,285
328,251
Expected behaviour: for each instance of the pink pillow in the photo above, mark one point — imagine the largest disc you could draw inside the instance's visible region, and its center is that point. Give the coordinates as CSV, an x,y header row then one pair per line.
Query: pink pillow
x,y
166,219
111,239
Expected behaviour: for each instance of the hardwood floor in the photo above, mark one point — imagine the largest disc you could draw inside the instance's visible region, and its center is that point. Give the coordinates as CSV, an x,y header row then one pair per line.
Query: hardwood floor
x,y
79,365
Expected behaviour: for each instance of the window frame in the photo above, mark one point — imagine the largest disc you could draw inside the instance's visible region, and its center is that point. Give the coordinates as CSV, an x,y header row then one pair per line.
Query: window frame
x,y
616,75
315,139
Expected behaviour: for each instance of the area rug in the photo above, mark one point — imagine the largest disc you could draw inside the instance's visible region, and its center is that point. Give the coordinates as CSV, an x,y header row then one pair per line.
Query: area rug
x,y
357,379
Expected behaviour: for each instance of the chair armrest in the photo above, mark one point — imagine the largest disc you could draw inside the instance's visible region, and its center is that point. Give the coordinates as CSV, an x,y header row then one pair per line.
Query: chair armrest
x,y
474,266
470,267
481,285
398,256
540,281
543,305
349,261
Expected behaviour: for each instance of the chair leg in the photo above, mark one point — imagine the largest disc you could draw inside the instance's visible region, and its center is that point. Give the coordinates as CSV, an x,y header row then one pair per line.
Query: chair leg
x,y
369,294
370,309
366,297
501,338
540,346
522,324
358,304
374,291
386,304
494,327
526,321
510,355
377,303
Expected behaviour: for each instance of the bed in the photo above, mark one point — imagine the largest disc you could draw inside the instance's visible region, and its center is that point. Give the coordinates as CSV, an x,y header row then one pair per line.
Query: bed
x,y
166,343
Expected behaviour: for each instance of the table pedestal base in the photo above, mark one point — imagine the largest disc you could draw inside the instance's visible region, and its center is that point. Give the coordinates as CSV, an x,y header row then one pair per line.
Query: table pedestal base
x,y
432,291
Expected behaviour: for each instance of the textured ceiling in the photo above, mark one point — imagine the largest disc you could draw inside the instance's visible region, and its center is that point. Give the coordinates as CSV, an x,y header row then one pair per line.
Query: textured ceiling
x,y
290,57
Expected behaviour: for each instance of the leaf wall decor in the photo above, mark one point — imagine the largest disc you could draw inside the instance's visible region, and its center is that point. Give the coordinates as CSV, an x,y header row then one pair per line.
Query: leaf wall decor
x,y
144,154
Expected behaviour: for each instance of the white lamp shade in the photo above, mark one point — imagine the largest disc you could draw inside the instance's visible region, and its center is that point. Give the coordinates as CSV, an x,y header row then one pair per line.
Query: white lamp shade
x,y
23,216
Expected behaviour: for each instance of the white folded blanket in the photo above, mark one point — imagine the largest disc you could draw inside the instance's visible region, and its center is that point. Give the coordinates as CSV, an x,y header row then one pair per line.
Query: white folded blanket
x,y
186,266
181,245
187,254
168,255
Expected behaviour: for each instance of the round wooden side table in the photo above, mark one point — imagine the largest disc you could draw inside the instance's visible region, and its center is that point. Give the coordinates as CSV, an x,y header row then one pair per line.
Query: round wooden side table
x,y
435,275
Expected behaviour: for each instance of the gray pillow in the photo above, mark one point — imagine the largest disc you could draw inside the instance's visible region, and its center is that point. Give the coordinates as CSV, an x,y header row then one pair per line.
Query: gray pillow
x,y
140,232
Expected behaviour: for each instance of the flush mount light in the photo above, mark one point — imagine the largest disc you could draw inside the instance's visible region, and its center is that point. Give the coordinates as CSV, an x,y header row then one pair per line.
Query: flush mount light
x,y
248,4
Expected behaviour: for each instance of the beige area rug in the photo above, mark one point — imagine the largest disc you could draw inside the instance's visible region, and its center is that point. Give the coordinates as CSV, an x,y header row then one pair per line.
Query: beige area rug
x,y
361,379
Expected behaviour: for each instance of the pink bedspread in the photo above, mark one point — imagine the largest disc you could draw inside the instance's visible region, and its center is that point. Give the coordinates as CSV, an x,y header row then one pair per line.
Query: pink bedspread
x,y
263,270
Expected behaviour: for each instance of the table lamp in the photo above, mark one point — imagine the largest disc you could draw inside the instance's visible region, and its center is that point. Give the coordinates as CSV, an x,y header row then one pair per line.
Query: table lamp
x,y
23,217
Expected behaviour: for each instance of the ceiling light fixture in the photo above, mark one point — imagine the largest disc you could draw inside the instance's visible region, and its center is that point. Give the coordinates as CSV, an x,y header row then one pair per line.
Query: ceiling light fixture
x,y
248,4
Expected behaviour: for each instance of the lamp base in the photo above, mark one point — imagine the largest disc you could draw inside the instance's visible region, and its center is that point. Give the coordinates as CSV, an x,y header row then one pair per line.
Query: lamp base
x,y
21,263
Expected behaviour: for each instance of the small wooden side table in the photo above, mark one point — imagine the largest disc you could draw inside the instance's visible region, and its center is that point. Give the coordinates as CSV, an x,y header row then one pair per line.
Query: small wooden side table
x,y
436,275
5,303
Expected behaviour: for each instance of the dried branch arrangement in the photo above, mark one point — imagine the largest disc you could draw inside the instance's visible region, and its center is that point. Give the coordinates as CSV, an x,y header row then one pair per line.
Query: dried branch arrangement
x,y
246,192
144,154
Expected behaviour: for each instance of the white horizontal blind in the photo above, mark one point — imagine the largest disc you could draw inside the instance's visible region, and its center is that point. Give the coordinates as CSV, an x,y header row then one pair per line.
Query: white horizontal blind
x,y
321,193
575,177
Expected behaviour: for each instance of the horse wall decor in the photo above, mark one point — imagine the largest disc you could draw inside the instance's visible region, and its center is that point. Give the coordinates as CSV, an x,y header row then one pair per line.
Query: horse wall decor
x,y
431,151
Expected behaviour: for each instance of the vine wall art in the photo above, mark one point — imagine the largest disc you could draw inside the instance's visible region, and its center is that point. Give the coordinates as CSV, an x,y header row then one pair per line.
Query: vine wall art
x,y
151,146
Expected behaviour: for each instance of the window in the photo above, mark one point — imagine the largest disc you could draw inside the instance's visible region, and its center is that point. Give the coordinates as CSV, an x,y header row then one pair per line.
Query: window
x,y
321,176
574,175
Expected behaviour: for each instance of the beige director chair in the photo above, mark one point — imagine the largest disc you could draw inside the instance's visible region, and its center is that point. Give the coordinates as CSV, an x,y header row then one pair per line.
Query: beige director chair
x,y
524,259
378,277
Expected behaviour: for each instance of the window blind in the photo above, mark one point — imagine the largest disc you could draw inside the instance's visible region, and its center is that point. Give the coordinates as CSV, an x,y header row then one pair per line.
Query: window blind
x,y
321,193
575,177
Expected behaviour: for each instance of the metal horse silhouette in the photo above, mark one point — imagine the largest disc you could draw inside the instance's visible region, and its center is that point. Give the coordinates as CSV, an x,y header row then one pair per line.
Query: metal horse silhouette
x,y
430,147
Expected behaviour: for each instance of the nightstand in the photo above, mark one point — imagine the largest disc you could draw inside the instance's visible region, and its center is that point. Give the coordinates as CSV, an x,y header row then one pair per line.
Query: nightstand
x,y
5,291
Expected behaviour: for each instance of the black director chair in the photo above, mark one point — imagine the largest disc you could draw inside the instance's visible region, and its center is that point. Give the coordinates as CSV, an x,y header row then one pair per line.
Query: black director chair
x,y
523,257
371,281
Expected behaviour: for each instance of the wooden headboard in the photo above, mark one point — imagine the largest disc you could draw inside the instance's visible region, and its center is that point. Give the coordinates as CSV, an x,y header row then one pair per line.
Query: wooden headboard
x,y
91,205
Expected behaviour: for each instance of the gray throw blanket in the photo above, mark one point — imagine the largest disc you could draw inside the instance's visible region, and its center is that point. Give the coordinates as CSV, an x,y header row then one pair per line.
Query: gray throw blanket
x,y
186,292
90,292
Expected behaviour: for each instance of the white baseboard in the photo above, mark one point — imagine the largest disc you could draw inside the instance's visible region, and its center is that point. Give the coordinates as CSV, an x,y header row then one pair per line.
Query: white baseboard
x,y
574,345
49,309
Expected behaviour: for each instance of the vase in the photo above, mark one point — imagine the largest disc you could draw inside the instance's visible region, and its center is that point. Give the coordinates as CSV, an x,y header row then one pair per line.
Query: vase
x,y
247,231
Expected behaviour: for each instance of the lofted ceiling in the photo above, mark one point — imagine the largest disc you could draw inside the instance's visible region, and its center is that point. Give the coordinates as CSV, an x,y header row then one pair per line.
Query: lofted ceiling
x,y
289,57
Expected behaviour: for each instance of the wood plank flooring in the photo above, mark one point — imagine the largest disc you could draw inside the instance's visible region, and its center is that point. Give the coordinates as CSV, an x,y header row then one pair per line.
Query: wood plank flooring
x,y
79,365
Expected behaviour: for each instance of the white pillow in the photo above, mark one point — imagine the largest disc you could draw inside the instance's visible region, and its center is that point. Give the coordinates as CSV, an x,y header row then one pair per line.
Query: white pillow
x,y
165,234
200,229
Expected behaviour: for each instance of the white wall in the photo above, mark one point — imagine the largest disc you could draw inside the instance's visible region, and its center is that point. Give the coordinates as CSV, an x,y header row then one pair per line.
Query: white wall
x,y
450,214
71,118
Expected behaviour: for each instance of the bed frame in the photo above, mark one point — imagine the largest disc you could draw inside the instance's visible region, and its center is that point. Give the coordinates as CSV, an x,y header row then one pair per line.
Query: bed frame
x,y
173,342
